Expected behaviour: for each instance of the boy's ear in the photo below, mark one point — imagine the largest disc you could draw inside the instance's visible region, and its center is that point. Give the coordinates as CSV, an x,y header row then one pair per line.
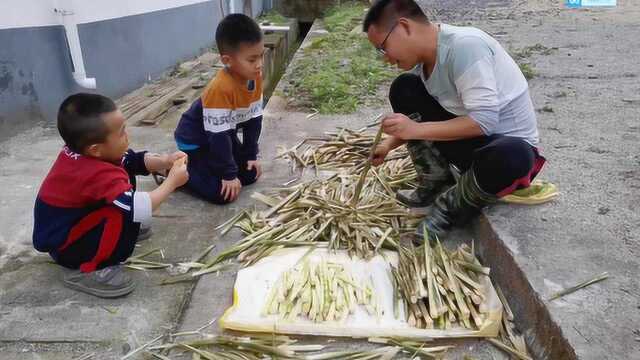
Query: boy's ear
x,y
226,59
94,150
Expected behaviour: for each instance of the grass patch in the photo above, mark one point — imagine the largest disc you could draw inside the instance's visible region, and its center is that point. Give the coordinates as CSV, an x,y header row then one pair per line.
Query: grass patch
x,y
340,70
528,51
343,18
273,17
528,72
522,55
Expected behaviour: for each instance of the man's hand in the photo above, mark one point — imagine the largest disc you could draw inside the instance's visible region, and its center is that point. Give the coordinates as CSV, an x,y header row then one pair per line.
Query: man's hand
x,y
254,164
400,126
230,189
379,153
178,175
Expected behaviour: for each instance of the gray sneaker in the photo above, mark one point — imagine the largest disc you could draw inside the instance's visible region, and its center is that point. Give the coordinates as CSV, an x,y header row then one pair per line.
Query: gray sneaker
x,y
144,234
110,282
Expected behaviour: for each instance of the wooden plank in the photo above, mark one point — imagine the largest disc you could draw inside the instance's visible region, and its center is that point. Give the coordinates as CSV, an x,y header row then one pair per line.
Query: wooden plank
x,y
150,114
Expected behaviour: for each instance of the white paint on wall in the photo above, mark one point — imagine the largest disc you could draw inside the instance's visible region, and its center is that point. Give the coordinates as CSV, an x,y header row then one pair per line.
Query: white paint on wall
x,y
32,13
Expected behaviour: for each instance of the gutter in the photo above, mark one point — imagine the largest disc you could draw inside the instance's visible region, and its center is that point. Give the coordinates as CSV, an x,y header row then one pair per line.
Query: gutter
x,y
73,41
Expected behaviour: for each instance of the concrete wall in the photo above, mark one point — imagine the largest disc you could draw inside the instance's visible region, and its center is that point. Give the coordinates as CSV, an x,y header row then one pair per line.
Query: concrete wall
x,y
34,78
124,43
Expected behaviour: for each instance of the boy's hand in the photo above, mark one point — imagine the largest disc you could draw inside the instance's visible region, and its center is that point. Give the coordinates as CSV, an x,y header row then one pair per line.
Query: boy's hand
x,y
254,164
170,159
379,154
400,126
159,163
178,175
230,189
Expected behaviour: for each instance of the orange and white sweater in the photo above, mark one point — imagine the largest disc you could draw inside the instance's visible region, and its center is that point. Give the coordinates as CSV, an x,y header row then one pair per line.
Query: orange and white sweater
x,y
211,123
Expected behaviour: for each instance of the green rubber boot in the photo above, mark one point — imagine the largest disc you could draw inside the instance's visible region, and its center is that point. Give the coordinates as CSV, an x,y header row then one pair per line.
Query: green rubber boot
x,y
454,207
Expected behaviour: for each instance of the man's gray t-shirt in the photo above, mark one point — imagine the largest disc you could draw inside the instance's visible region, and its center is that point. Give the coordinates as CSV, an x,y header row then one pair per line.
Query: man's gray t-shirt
x,y
475,76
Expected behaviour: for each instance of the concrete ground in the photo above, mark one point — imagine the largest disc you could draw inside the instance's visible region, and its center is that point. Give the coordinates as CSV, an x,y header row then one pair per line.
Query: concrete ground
x,y
588,96
588,85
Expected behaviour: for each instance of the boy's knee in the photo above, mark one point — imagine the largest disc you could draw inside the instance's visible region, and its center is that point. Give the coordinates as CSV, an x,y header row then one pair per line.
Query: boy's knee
x,y
206,190
248,177
213,197
219,200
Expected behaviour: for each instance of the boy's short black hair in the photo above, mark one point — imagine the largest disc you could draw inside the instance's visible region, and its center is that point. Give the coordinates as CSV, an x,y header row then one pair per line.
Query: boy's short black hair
x,y
79,120
385,12
234,30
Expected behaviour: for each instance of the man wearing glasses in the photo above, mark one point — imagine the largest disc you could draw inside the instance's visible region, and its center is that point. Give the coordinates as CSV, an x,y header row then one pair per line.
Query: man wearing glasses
x,y
476,113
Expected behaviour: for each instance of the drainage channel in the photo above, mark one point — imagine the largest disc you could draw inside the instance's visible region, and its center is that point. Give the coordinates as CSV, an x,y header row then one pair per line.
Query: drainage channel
x,y
281,42
543,336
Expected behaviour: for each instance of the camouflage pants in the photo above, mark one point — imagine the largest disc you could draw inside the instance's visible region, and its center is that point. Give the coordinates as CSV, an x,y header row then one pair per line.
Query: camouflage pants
x,y
432,168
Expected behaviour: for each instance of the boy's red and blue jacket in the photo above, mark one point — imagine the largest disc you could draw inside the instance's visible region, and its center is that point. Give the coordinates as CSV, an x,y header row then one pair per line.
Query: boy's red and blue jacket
x,y
211,123
77,185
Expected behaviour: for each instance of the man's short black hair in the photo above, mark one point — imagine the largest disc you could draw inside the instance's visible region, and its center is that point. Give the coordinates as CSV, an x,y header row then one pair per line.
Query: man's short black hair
x,y
385,12
234,30
79,120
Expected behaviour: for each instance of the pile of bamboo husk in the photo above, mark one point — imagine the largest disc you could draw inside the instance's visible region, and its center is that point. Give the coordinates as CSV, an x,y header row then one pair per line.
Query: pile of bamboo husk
x,y
322,213
271,346
322,291
252,347
509,340
319,213
347,210
440,288
350,150
415,348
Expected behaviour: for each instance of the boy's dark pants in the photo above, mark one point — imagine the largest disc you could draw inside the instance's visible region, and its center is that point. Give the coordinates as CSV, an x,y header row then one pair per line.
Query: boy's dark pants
x,y
206,182
106,236
501,164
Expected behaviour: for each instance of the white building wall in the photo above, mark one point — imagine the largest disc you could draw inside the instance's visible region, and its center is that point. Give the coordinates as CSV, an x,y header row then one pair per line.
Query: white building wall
x,y
33,13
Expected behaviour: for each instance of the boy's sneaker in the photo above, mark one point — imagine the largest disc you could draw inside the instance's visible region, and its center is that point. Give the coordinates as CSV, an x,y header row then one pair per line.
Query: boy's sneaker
x,y
158,177
110,282
144,234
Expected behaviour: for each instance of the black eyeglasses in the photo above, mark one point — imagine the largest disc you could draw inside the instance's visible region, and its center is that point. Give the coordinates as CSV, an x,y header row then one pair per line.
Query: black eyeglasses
x,y
380,49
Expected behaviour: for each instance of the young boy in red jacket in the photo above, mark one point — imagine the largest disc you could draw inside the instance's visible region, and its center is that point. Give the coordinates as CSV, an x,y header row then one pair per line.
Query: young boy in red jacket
x,y
88,213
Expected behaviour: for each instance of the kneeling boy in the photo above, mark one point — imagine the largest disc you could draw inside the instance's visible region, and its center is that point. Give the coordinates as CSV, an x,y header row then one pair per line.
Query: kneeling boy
x,y
219,163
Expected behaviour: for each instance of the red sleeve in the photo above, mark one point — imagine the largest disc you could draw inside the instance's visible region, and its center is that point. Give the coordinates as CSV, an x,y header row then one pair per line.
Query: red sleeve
x,y
107,184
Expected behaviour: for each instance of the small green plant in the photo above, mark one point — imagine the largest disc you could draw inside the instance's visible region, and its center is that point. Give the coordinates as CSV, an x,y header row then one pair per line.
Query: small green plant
x,y
528,72
527,51
272,17
178,71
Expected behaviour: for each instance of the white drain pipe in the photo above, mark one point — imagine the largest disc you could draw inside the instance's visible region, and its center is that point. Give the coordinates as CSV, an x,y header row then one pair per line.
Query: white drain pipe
x,y
71,29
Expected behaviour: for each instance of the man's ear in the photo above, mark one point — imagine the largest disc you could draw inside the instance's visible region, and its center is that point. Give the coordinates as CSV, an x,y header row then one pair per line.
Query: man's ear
x,y
93,150
406,24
